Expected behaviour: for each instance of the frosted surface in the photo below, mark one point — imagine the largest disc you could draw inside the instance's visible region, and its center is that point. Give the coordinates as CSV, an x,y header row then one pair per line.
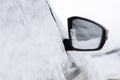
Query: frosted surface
x,y
31,45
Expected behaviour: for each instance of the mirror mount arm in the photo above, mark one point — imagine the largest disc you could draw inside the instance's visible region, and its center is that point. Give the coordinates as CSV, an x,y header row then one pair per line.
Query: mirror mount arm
x,y
67,44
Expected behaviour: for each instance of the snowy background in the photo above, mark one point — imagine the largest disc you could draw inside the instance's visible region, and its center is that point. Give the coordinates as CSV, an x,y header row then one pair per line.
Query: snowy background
x,y
105,12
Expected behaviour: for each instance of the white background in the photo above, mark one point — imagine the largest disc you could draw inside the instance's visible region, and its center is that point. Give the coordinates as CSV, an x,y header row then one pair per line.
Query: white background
x,y
105,12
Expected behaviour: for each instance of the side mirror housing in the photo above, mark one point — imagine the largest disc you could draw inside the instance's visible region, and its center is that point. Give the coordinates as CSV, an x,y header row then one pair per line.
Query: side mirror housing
x,y
85,35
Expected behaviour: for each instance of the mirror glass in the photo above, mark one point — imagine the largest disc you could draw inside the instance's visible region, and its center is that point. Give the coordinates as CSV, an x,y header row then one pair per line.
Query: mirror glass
x,y
85,34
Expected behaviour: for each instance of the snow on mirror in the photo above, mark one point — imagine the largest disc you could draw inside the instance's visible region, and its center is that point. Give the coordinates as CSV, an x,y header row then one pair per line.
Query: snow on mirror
x,y
85,34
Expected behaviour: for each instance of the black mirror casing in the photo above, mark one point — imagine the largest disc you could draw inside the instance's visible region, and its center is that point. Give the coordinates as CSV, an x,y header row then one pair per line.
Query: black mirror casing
x,y
69,42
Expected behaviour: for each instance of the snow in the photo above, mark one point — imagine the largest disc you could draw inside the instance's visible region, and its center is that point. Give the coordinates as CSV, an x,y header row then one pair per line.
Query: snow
x,y
31,46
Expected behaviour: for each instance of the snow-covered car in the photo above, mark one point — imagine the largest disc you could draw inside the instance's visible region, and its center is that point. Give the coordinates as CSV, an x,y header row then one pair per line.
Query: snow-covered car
x,y
34,45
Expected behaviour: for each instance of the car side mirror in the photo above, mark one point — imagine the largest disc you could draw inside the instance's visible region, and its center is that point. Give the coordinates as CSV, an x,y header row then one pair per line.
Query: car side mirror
x,y
85,35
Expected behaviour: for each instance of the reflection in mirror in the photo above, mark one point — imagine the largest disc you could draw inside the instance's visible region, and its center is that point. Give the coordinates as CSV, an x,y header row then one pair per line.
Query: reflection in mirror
x,y
85,34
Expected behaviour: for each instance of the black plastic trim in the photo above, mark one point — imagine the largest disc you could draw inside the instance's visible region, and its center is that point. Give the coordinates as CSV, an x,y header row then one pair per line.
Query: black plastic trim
x,y
103,39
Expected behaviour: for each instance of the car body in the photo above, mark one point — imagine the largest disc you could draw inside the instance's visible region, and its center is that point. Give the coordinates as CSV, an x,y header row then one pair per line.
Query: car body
x,y
31,45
